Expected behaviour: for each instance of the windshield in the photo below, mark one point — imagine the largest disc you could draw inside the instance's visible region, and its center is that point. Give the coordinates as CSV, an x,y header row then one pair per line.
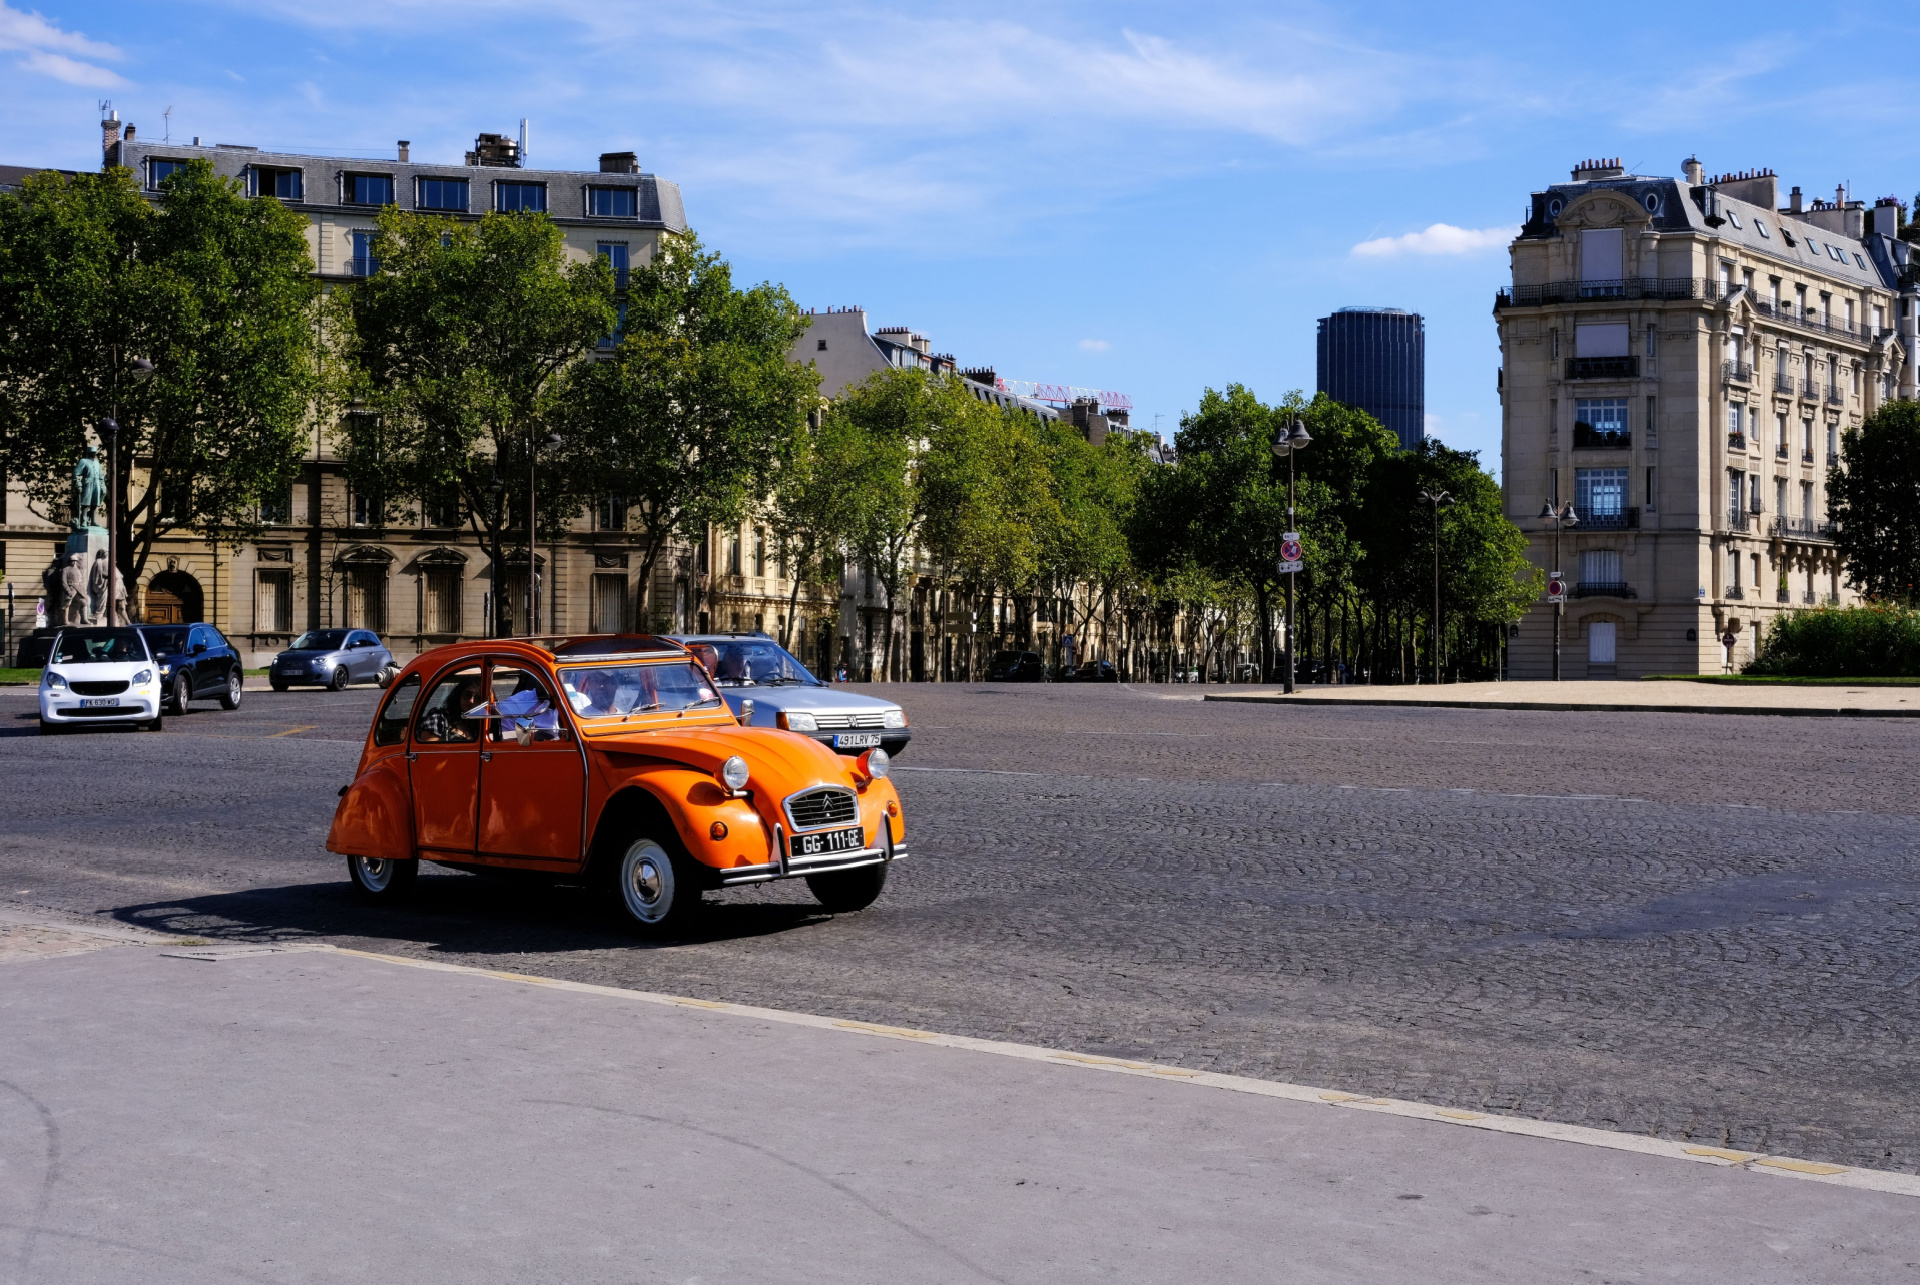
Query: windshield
x,y
167,639
609,691
99,646
759,662
320,640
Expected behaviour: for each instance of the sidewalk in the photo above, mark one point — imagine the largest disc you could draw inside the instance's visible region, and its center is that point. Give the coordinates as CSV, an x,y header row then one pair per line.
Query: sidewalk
x,y
1620,697
179,1112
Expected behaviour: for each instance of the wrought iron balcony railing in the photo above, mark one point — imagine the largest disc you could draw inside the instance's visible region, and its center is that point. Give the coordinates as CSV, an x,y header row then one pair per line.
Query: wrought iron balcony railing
x,y
1836,395
1588,438
1806,455
1736,592
1736,441
1602,367
1625,519
1604,589
1782,382
1803,528
1736,519
1736,372
1620,288
1811,320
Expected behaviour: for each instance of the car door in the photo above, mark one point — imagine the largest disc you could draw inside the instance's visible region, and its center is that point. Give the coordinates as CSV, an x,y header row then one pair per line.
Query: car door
x,y
200,650
532,774
359,655
443,763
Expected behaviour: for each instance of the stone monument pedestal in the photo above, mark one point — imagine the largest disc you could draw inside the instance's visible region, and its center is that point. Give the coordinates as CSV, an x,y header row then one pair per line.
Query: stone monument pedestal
x,y
70,600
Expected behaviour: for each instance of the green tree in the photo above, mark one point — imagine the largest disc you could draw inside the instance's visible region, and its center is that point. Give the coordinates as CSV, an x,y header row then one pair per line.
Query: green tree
x,y
811,509
1873,499
214,289
691,418
456,356
1084,546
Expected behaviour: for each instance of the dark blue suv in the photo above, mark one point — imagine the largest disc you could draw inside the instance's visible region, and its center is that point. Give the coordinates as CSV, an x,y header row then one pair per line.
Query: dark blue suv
x,y
195,662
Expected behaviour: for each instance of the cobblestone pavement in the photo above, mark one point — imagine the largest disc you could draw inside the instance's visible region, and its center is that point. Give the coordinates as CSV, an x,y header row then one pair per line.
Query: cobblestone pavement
x,y
1691,925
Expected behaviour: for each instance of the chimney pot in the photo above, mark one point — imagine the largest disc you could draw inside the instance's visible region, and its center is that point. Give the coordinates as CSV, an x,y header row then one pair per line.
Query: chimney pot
x,y
404,146
1696,174
129,134
1793,199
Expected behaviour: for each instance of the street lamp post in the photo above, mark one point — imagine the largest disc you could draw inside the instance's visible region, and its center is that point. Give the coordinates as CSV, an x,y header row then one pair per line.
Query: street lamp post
x,y
1559,518
109,430
496,489
1436,498
533,568
1285,448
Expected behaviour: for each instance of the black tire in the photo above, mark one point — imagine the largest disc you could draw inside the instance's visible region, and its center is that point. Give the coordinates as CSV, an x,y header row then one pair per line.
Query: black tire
x,y
339,681
655,886
276,684
382,880
182,693
845,891
50,729
158,723
230,694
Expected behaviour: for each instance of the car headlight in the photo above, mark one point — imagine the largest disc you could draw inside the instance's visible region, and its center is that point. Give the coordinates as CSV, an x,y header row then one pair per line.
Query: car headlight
x,y
795,720
56,682
894,718
166,669
142,678
734,773
876,763
321,663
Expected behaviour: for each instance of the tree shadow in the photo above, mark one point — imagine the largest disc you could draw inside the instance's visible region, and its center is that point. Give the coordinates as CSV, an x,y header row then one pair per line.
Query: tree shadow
x,y
451,913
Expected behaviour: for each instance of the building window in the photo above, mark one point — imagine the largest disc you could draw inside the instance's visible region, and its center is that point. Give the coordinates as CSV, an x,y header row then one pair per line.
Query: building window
x,y
1780,496
366,598
607,609
1734,429
1773,286
611,514
1599,492
1600,421
1652,425
733,555
440,608
367,510
1650,334
442,194
277,509
612,202
1833,441
441,510
510,198
273,602
1879,317
1806,500
821,345
1806,437
759,551
612,339
615,253
1600,567
159,170
1652,500
1736,490
283,185
364,262
370,189
1733,568
1753,492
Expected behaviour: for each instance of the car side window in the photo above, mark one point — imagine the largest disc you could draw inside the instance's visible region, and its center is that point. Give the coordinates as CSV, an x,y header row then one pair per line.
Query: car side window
x,y
196,637
391,727
526,706
439,721
217,639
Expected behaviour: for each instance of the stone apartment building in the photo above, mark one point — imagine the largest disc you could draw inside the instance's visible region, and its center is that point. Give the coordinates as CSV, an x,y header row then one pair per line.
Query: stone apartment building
x,y
1679,360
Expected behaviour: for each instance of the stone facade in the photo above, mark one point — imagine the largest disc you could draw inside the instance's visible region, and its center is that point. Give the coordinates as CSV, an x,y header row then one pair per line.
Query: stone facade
x,y
1679,360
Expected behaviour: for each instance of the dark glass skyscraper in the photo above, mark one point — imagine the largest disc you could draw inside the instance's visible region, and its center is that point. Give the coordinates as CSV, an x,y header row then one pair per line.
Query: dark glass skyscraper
x,y
1375,359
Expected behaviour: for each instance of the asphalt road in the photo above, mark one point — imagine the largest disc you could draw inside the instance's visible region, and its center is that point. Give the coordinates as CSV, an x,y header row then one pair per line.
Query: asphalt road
x,y
1693,926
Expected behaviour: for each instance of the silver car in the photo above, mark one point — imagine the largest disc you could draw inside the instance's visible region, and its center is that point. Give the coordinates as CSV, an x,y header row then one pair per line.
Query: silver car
x,y
332,658
753,668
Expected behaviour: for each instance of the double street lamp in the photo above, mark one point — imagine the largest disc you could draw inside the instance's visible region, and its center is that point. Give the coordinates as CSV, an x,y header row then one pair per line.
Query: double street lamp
x,y
1285,448
1560,518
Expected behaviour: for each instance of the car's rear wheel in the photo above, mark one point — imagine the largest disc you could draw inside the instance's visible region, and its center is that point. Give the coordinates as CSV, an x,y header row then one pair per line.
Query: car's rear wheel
x,y
339,683
230,698
182,693
845,891
382,878
658,889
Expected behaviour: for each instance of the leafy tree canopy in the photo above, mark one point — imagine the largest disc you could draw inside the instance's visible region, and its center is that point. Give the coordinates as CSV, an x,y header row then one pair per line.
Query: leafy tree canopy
x,y
1873,498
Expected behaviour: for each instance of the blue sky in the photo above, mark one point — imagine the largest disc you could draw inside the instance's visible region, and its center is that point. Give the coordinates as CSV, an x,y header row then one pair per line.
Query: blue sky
x,y
1150,198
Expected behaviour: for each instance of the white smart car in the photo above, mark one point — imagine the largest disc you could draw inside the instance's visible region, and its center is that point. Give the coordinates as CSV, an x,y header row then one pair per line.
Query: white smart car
x,y
99,675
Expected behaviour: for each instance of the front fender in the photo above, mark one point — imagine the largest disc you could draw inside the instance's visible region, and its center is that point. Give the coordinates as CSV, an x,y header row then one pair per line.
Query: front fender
x,y
693,801
375,816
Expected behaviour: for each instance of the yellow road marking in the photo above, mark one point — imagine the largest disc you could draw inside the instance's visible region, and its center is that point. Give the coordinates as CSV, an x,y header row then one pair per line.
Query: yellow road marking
x,y
1721,1153
520,977
1458,1115
901,1031
291,730
1102,1061
700,1003
1800,1166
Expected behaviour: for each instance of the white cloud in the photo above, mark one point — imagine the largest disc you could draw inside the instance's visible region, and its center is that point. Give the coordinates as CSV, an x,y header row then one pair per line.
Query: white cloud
x,y
48,50
1094,345
1440,238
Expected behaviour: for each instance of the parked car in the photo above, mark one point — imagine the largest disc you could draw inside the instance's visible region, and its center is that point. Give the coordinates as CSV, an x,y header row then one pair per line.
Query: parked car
x,y
330,658
97,675
195,661
610,759
754,668
1016,667
1095,671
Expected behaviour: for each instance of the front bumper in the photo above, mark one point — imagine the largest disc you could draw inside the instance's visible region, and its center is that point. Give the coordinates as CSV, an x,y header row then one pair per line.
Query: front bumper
x,y
134,707
892,740
799,867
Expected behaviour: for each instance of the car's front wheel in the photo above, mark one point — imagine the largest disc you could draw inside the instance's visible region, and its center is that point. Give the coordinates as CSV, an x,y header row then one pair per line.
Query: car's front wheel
x,y
276,684
658,890
382,878
845,891
230,698
339,683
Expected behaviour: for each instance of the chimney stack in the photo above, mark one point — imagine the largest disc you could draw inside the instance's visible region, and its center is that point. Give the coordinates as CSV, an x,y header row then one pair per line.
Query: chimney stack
x,y
1793,199
109,134
404,145
1695,172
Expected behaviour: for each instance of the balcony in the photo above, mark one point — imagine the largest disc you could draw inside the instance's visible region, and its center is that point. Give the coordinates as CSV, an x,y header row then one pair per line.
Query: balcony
x,y
1810,389
1802,529
1623,288
1806,455
362,265
1736,441
1783,383
1736,592
1604,589
1736,372
1588,438
1835,395
1780,451
1627,519
1809,597
1603,367
1783,595
1736,519
1833,459
1812,321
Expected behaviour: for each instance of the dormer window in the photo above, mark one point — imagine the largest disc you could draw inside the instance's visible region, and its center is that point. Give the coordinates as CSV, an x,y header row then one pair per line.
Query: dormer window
x,y
509,198
264,180
613,202
370,189
158,170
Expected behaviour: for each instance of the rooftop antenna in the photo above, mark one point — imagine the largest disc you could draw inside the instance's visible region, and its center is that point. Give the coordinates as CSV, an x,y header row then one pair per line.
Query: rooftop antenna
x,y
523,140
167,135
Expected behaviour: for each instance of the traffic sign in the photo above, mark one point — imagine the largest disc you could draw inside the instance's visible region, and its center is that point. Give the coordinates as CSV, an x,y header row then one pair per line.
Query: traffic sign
x,y
1292,558
1556,588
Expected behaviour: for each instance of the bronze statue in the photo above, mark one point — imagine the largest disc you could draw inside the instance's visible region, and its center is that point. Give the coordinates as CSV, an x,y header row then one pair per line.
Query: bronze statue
x,y
89,489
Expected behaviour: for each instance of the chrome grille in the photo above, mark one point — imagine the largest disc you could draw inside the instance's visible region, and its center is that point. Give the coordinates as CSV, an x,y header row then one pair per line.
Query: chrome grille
x,y
99,687
876,718
817,808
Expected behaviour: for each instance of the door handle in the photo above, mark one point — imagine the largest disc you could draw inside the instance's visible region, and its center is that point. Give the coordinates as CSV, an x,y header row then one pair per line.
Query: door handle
x,y
411,756
486,756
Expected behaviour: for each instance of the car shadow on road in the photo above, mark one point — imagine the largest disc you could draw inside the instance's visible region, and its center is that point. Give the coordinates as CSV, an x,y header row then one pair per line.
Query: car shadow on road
x,y
453,914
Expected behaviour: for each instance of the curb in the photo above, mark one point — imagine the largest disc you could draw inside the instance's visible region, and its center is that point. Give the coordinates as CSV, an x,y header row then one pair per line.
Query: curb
x,y
1784,711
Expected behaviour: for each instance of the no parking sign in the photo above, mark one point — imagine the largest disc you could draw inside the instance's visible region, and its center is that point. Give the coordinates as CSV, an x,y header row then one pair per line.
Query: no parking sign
x,y
1556,588
1292,557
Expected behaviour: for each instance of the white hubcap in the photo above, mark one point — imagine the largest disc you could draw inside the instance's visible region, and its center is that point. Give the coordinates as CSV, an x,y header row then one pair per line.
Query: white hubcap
x,y
646,881
375,872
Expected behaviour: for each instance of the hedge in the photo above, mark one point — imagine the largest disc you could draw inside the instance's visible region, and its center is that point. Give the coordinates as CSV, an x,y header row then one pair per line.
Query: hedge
x,y
1879,640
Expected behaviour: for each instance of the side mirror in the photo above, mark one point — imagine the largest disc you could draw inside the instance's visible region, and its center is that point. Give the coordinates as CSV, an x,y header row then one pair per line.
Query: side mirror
x,y
198,648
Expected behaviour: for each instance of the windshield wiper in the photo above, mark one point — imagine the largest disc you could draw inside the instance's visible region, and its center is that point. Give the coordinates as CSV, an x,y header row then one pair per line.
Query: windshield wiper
x,y
639,709
703,700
